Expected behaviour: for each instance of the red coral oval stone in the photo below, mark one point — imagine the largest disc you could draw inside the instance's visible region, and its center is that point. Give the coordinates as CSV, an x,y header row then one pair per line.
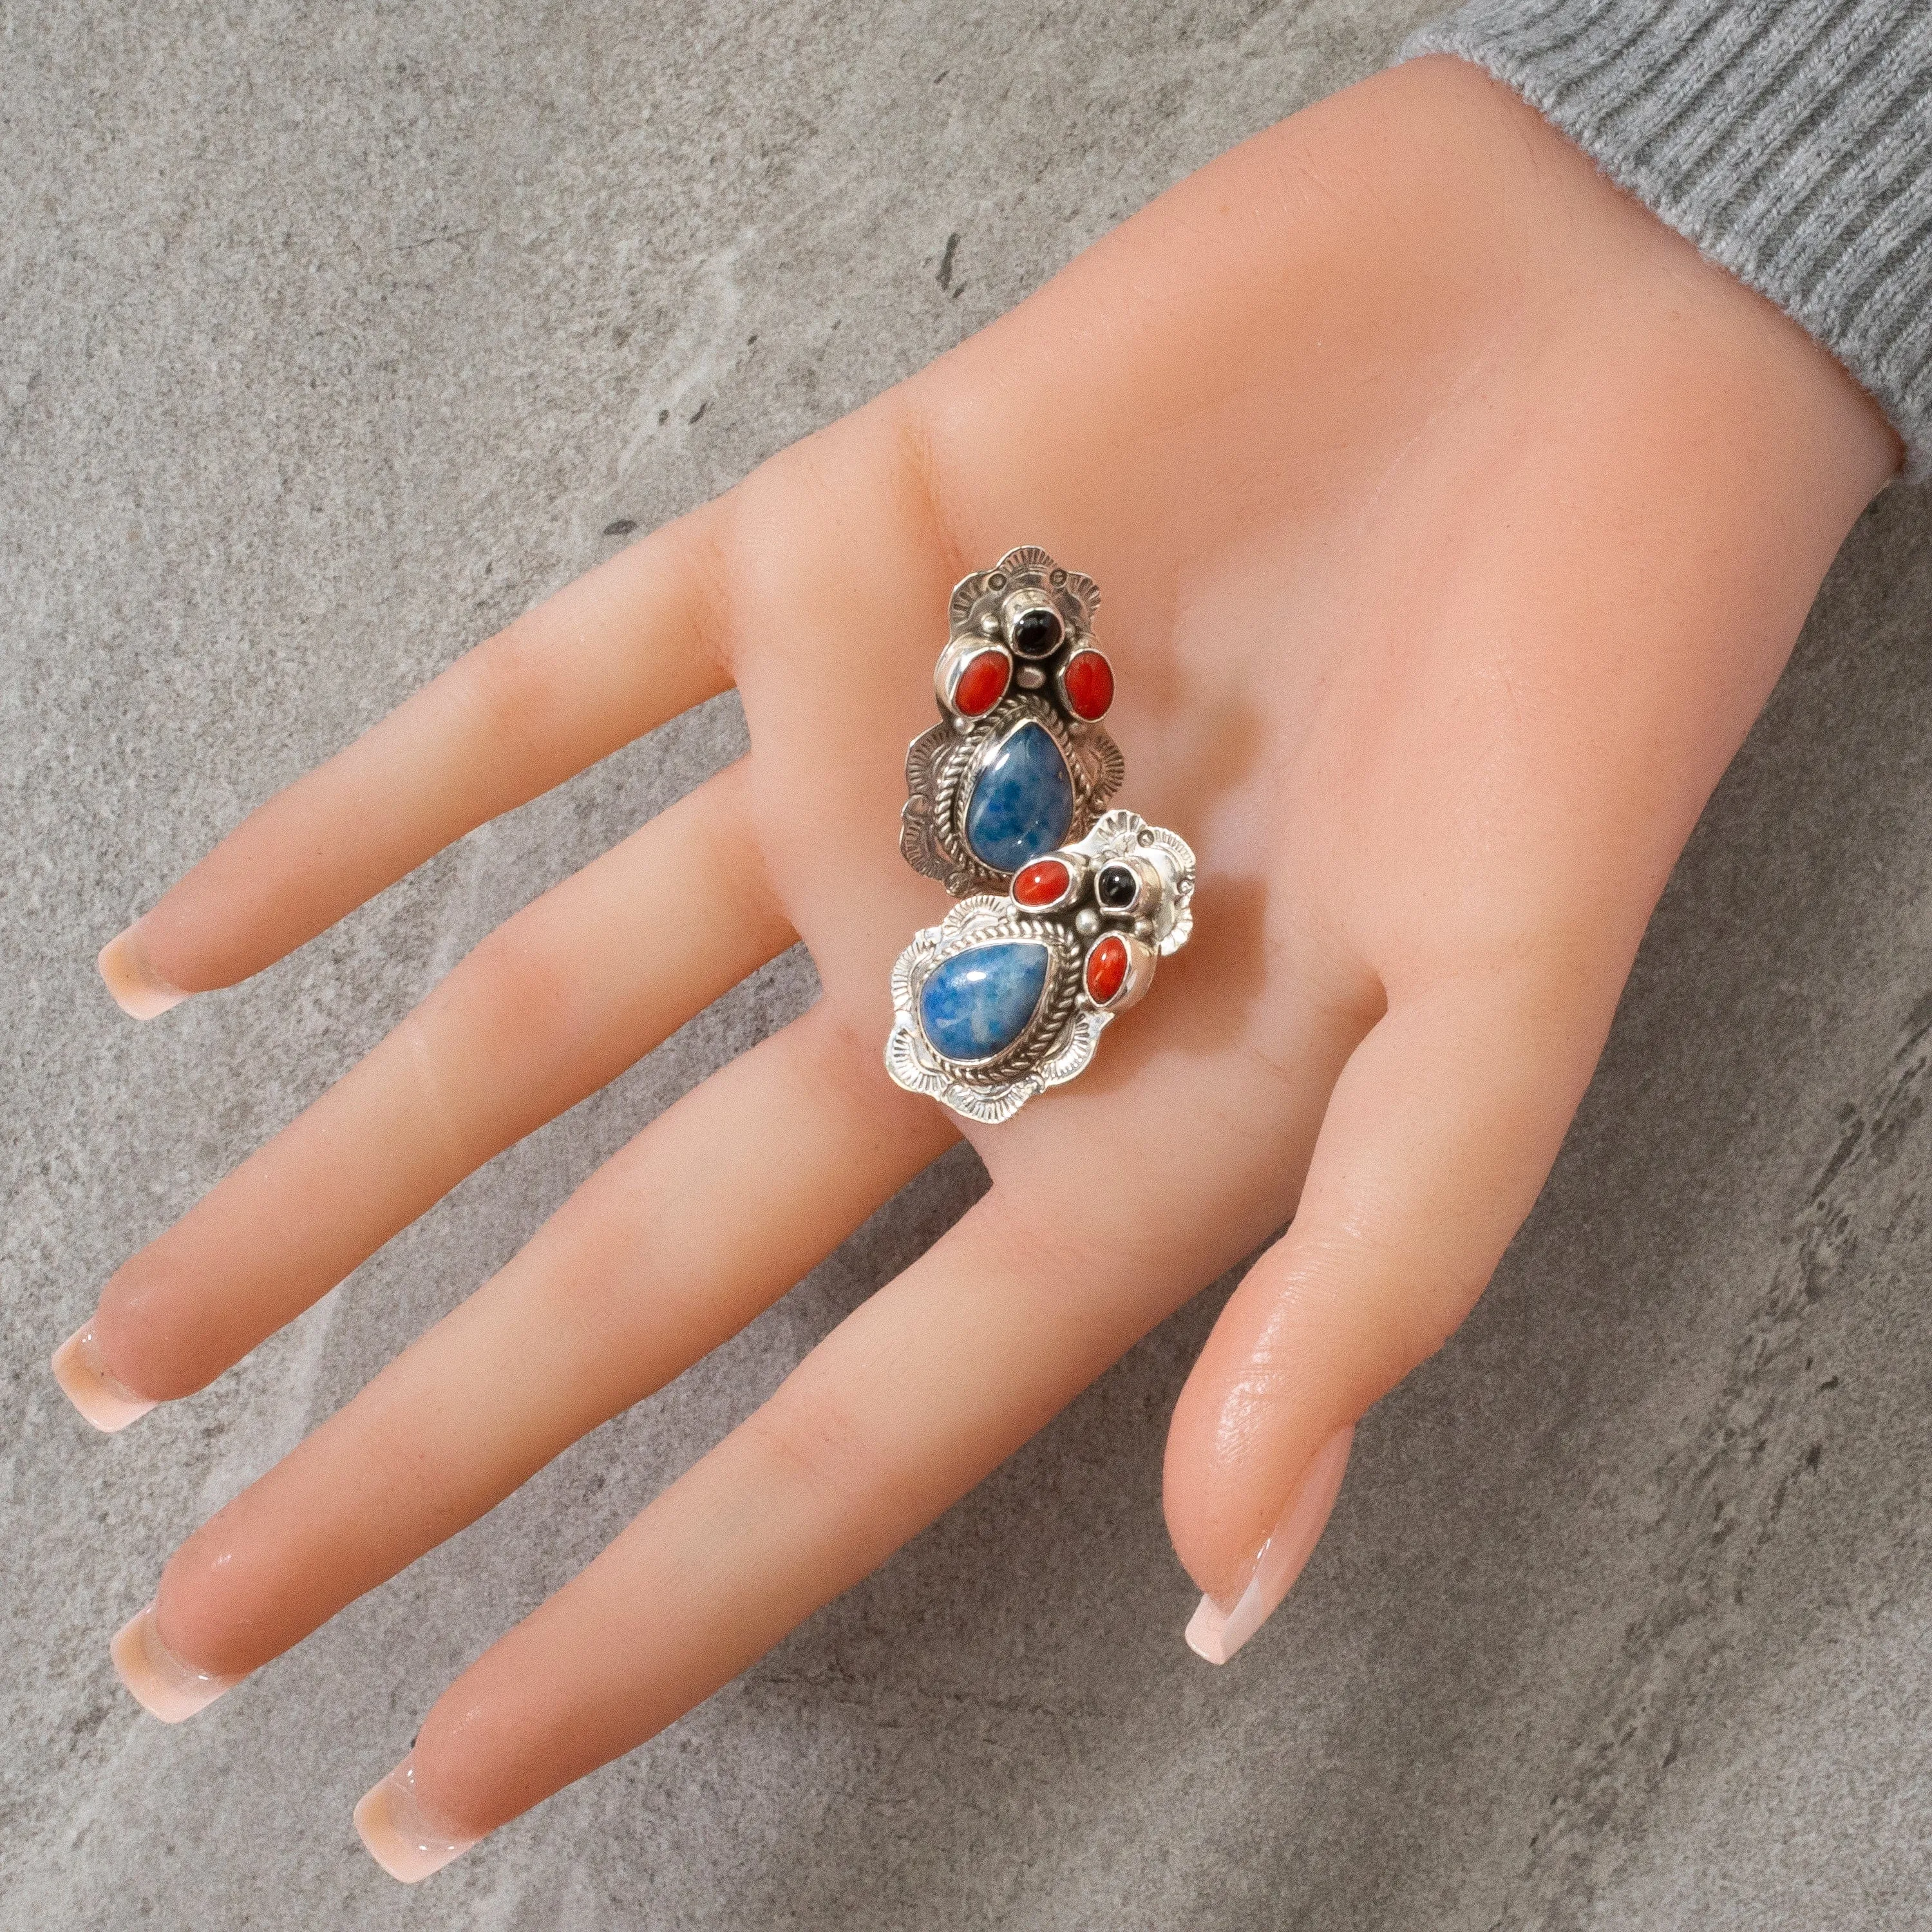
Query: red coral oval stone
x,y
1089,679
1107,969
1041,883
982,684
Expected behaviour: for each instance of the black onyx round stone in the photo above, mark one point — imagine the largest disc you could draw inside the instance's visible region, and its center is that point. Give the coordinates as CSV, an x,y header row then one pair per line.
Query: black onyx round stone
x,y
1037,632
1116,887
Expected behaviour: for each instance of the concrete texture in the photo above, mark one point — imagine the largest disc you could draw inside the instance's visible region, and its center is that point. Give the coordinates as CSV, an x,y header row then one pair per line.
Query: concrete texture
x,y
333,336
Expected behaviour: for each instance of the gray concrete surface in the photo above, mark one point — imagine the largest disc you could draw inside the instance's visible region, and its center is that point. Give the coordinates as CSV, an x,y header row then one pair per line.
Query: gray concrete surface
x,y
332,337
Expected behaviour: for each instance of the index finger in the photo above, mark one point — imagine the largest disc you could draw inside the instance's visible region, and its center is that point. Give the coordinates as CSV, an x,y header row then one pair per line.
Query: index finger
x,y
628,646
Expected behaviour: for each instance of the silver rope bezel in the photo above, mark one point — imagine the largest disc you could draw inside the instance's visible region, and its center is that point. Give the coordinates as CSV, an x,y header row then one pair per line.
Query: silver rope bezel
x,y
1056,1044
944,763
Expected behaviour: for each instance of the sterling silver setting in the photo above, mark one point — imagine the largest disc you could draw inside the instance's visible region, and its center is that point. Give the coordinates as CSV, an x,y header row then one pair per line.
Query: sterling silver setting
x,y
1101,957
1019,650
1070,905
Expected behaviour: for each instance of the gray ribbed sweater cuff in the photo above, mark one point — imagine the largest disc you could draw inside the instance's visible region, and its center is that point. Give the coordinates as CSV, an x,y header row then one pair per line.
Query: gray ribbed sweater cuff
x,y
1790,139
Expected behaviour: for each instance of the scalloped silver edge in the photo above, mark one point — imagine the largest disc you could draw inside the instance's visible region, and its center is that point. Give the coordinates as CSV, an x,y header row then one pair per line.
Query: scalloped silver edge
x,y
910,1058
1076,593
1115,834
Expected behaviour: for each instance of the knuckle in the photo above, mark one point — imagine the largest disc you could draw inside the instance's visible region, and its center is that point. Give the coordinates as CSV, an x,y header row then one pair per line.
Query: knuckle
x,y
513,688
512,990
1416,1322
1375,1313
818,1449
482,1051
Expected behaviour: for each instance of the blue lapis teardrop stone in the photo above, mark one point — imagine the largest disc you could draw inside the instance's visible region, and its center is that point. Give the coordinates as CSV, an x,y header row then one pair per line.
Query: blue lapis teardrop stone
x,y
978,1003
1022,803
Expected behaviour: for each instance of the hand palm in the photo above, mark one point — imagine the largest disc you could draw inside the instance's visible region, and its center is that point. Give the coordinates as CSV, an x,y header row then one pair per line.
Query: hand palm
x,y
1410,649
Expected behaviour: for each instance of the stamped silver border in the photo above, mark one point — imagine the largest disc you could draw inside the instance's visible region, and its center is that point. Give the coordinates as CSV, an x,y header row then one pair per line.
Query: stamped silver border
x,y
1066,1028
1055,1046
1121,834
942,762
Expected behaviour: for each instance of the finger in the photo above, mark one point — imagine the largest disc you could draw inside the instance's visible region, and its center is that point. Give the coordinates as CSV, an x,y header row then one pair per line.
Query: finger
x,y
557,1002
707,1218
1441,1130
622,649
909,1402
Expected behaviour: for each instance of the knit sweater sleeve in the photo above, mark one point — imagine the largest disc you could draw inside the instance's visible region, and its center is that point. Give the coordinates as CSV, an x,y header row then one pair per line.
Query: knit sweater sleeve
x,y
1790,139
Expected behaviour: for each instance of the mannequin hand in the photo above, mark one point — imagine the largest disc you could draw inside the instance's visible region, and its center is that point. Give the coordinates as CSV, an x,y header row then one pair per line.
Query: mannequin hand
x,y
1454,520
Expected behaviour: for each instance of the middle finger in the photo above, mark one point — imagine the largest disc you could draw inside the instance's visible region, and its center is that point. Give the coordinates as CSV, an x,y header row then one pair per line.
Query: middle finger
x,y
557,1002
708,1216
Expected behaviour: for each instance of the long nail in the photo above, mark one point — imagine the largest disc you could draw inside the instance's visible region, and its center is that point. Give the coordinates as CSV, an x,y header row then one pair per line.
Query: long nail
x,y
156,1679
138,989
1215,1632
400,1835
86,1382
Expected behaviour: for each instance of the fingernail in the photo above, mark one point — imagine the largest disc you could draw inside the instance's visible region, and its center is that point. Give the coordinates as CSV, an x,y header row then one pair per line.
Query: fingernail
x,y
157,1679
83,1373
1217,1633
399,1834
138,989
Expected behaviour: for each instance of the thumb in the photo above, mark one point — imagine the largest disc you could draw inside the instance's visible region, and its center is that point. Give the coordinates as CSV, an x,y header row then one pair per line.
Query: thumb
x,y
1439,1135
